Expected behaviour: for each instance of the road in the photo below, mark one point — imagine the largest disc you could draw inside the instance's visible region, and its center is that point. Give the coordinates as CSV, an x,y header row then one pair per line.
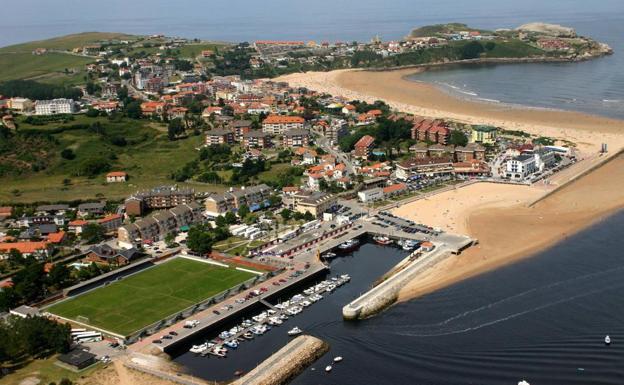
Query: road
x,y
323,143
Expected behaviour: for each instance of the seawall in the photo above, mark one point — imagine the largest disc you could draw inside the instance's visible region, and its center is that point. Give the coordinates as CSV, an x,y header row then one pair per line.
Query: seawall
x,y
387,292
286,363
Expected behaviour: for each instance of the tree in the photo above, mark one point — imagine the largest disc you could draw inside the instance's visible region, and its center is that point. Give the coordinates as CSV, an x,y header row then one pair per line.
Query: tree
x,y
490,45
92,167
93,233
92,113
243,211
170,239
199,239
68,154
472,50
275,200
175,128
458,138
286,214
133,110
59,276
230,218
15,258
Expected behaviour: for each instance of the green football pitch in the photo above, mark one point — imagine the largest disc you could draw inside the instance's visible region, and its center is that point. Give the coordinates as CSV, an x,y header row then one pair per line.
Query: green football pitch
x,y
137,301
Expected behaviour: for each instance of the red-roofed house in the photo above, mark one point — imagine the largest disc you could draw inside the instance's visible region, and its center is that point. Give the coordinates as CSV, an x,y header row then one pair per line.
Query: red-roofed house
x,y
56,238
5,212
77,225
278,124
111,222
394,189
116,176
26,248
363,146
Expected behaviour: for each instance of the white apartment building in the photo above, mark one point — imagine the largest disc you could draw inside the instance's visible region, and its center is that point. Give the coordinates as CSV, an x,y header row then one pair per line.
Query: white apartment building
x,y
520,167
54,107
371,195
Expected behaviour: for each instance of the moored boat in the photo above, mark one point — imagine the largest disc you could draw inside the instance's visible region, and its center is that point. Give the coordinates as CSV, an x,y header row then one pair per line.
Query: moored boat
x,y
380,240
295,331
349,245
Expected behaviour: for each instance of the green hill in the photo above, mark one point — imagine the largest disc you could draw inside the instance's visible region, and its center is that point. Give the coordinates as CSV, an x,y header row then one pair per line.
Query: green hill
x,y
32,167
436,29
68,42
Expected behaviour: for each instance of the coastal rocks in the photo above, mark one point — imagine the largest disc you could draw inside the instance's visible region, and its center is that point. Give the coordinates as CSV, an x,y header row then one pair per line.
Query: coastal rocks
x,y
286,363
554,30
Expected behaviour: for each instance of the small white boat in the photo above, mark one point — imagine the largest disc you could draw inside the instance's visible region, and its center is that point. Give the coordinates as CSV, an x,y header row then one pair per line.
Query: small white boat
x,y
523,382
295,331
328,368
338,359
607,340
329,255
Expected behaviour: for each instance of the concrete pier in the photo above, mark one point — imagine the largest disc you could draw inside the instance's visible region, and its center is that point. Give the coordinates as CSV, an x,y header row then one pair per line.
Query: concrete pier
x,y
286,363
386,293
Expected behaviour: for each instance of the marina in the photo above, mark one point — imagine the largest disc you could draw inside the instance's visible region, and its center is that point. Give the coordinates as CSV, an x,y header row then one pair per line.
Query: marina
x,y
266,320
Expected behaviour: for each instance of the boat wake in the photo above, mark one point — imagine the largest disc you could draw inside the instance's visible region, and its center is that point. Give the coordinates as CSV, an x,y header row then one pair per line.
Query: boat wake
x,y
506,309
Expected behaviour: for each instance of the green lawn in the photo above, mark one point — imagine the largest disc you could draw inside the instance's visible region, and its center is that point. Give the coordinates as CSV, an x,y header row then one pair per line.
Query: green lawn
x,y
149,158
45,68
45,371
142,299
68,42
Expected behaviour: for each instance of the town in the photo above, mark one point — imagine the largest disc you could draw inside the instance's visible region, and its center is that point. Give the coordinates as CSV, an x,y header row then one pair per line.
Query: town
x,y
279,180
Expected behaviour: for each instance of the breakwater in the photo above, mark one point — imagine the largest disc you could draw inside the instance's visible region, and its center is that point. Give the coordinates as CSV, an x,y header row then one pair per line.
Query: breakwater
x,y
387,292
286,363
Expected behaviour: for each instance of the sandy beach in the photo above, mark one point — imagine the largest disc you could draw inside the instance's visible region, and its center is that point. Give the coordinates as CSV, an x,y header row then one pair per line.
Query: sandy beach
x,y
508,229
587,131
497,215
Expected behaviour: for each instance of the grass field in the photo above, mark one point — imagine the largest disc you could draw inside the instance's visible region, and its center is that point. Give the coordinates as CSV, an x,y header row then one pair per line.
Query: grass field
x,y
149,158
44,371
45,68
147,297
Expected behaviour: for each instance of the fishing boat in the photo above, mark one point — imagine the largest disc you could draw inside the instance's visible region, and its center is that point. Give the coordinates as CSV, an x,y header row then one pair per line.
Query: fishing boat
x,y
349,245
328,368
607,340
329,255
295,331
198,348
380,240
338,359
409,245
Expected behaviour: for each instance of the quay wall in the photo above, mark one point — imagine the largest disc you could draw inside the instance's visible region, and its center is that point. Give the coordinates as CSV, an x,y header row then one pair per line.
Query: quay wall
x,y
387,292
286,363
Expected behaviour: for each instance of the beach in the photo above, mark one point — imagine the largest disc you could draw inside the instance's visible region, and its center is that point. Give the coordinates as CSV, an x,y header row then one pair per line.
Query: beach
x,y
506,227
499,216
587,131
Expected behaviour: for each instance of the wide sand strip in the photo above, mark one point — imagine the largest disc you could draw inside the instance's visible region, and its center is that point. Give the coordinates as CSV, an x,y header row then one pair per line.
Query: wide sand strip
x,y
507,229
420,98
